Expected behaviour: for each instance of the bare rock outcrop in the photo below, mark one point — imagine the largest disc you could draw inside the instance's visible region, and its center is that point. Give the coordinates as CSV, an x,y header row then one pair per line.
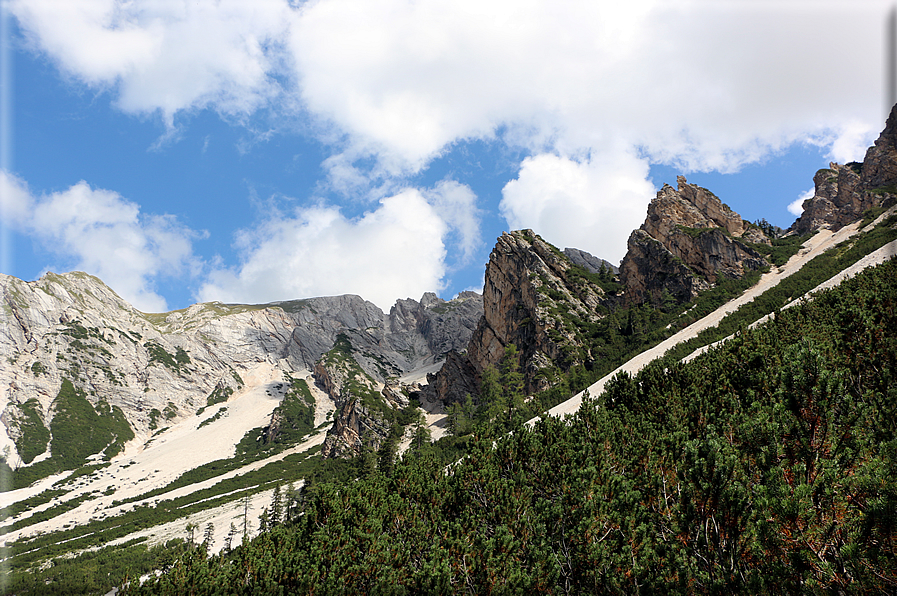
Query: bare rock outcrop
x,y
589,262
842,193
455,380
690,239
355,428
532,295
880,162
156,368
839,199
363,412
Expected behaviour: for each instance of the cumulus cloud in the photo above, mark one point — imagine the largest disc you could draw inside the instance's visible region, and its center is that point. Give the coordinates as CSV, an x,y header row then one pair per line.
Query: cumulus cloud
x,y
456,205
397,250
851,141
701,84
389,85
167,56
691,83
796,207
100,232
591,204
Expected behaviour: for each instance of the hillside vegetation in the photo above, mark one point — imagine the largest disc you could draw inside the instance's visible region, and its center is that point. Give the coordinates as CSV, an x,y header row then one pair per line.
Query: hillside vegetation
x,y
766,465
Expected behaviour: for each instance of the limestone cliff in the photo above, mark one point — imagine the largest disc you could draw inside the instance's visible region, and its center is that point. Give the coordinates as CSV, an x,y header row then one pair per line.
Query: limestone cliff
x,y
690,239
157,368
589,262
842,193
362,413
366,410
533,296
359,371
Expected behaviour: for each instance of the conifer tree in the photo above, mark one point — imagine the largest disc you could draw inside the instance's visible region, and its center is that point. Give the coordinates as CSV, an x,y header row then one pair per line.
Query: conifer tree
x,y
386,455
461,417
276,512
229,539
191,530
420,434
246,523
208,537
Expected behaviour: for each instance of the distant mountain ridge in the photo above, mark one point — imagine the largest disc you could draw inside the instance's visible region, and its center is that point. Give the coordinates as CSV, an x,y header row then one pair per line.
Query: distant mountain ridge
x,y
165,367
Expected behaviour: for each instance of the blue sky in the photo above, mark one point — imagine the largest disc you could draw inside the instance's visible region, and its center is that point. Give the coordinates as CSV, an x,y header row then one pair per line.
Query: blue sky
x,y
252,152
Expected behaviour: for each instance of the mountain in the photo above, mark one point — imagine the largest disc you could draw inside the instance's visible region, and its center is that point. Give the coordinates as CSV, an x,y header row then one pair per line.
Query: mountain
x,y
155,370
842,193
128,428
688,241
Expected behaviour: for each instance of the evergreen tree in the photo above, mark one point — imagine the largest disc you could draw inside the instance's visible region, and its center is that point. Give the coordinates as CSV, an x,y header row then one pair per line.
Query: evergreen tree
x,y
208,537
291,499
386,455
276,511
420,434
246,523
366,460
505,393
229,539
461,417
191,531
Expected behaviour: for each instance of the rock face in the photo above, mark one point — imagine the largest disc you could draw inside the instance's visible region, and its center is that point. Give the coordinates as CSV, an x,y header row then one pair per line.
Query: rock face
x,y
161,368
586,261
843,192
358,372
454,382
412,335
839,199
366,409
531,296
158,369
361,411
689,240
880,162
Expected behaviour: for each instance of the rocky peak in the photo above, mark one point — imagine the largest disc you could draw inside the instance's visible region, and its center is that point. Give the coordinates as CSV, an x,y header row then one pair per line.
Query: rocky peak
x,y
689,239
838,199
842,193
692,207
532,292
880,163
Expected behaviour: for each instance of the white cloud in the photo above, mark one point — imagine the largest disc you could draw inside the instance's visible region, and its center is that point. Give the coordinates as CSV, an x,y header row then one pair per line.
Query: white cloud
x,y
692,83
701,84
167,56
796,207
851,141
101,233
593,204
15,199
456,205
395,251
698,84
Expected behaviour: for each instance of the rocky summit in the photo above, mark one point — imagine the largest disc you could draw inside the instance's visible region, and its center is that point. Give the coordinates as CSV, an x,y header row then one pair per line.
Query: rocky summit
x,y
842,193
688,241
532,294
